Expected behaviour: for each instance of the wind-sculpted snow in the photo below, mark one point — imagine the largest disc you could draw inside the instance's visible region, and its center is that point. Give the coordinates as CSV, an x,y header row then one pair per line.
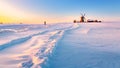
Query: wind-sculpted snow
x,y
19,41
41,55
14,42
91,45
32,47
76,45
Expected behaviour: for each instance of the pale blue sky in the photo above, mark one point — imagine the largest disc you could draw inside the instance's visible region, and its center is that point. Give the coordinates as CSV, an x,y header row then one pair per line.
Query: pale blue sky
x,y
101,9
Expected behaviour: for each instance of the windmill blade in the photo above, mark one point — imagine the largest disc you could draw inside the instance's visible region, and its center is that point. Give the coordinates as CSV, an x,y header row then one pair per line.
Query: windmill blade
x,y
81,14
84,14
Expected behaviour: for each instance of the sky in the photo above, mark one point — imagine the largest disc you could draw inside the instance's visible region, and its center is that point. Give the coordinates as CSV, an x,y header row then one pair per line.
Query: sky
x,y
54,11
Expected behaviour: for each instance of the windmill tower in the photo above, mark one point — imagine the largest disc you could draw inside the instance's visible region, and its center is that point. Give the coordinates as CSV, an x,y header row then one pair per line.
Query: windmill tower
x,y
82,18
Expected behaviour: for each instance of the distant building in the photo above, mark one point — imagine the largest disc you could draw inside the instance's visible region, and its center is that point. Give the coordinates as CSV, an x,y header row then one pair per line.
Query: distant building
x,y
75,21
45,23
93,20
1,23
83,20
21,23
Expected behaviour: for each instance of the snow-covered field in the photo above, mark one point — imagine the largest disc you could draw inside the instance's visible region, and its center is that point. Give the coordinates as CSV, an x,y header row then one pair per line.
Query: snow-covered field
x,y
65,45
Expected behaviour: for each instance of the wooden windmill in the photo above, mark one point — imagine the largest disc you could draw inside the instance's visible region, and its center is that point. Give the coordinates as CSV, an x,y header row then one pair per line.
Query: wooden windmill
x,y
82,18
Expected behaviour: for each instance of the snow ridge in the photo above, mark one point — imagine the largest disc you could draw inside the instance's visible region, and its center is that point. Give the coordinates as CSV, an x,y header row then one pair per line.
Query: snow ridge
x,y
34,49
19,41
41,55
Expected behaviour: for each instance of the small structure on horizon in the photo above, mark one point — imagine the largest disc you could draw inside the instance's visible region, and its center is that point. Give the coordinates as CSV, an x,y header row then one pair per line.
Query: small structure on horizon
x,y
45,23
82,20
93,20
1,23
75,21
21,23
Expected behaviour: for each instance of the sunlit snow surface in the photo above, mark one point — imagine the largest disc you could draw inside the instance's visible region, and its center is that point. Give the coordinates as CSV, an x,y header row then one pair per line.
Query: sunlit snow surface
x,y
82,45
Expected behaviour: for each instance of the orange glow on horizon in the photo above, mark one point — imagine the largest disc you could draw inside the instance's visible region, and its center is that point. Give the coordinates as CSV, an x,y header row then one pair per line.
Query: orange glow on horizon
x,y
12,14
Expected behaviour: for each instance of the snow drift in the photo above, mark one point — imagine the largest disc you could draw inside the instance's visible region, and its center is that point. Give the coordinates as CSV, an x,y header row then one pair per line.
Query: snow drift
x,y
65,45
